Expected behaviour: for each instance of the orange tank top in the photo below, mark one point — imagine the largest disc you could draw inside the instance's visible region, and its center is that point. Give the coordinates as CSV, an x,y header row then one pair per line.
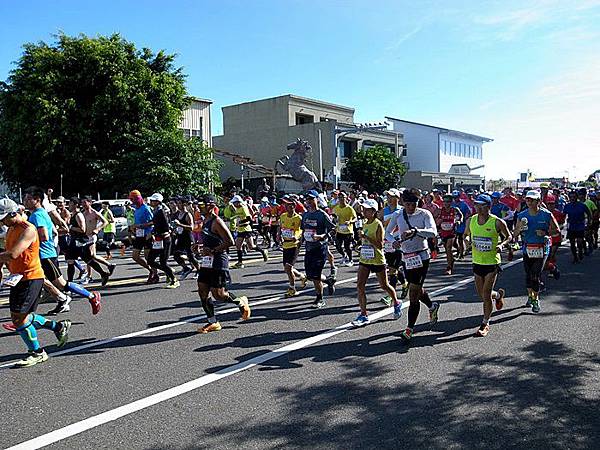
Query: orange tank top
x,y
28,263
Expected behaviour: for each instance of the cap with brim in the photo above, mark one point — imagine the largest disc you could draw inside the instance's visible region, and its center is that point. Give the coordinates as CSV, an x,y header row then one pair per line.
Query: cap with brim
x,y
156,197
236,199
7,206
455,194
60,199
287,201
312,194
264,199
496,194
393,192
544,185
550,198
534,195
371,204
483,199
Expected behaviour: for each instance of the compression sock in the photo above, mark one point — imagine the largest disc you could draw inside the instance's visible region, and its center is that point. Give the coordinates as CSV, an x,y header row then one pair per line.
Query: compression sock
x,y
232,298
240,255
29,335
79,266
71,272
41,322
413,313
78,289
94,265
209,309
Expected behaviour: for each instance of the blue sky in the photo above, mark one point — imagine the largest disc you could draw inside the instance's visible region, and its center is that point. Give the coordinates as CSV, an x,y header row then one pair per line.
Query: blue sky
x,y
525,73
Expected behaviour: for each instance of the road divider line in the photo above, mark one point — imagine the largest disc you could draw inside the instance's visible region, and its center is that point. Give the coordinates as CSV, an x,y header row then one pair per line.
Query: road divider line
x,y
146,402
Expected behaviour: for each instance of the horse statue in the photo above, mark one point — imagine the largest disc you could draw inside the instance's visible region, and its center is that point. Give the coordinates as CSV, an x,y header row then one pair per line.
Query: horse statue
x,y
295,165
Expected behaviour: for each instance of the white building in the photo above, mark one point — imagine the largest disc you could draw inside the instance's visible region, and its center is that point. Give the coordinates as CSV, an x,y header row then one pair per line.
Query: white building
x,y
446,156
196,120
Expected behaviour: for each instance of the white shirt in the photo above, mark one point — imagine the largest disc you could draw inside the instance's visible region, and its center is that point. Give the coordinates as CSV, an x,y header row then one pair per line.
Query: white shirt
x,y
422,220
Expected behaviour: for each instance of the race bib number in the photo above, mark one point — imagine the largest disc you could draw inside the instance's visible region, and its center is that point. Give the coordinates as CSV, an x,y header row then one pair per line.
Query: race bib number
x,y
388,247
482,244
287,233
12,280
139,232
535,251
343,228
412,261
359,223
309,235
157,245
447,226
179,230
367,252
207,262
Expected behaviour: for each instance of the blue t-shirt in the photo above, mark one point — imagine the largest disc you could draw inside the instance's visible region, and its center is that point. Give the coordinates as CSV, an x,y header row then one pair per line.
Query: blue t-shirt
x,y
41,219
316,222
466,211
143,214
500,210
531,224
575,215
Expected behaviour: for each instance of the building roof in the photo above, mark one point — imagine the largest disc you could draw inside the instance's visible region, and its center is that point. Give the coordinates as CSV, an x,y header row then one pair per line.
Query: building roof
x,y
198,99
301,99
447,130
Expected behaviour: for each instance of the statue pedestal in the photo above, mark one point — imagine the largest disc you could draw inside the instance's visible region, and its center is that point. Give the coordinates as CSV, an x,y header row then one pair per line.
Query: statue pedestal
x,y
288,185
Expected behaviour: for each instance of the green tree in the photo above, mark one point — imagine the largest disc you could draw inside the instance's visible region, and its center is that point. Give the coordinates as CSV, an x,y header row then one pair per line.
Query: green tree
x,y
375,168
92,109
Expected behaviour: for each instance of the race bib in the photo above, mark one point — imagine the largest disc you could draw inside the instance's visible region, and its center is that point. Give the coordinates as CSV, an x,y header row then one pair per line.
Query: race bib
x,y
388,247
81,243
447,226
287,233
157,245
12,280
535,251
179,230
207,262
359,223
412,261
139,232
367,252
482,244
309,235
343,227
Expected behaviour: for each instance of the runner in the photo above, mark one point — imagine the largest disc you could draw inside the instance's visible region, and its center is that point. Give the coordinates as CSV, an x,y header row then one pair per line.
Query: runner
x,y
576,213
142,229
488,235
592,225
316,225
25,281
244,232
551,264
535,225
372,260
264,211
94,222
435,212
461,226
161,241
290,236
109,230
346,217
415,225
213,275
184,224
448,218
594,198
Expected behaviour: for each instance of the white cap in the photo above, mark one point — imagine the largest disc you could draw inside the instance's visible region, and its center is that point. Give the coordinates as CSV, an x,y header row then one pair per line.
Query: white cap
x,y
237,198
156,197
393,192
370,203
535,195
264,199
364,193
7,206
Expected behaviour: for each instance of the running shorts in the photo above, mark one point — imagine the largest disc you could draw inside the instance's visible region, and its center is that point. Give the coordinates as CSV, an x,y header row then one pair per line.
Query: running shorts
x,y
394,259
417,276
213,278
374,268
141,243
25,296
483,270
290,255
51,270
314,261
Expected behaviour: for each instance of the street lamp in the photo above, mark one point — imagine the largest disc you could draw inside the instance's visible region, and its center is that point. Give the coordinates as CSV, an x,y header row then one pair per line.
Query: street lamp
x,y
342,131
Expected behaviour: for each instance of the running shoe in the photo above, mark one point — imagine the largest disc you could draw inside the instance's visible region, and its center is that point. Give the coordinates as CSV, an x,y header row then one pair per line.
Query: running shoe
x,y
185,273
319,303
433,313
238,265
529,301
500,299
483,330
349,263
244,307
9,326
535,306
150,278
265,255
173,284
32,359
448,271
111,269
61,307
330,286
434,254
406,335
303,282
104,278
210,327
291,292
387,300
63,334
360,321
404,291
398,310
85,280
333,272
95,302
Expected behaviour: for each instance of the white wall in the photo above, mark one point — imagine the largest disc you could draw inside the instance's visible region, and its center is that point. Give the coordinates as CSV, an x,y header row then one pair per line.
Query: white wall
x,y
197,117
421,145
456,149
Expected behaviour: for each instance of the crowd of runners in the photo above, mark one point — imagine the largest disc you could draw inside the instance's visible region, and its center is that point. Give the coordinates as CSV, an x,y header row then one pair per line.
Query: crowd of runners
x,y
394,235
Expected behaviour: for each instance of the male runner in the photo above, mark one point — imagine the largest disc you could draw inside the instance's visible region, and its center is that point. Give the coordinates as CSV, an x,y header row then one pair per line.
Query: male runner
x,y
244,232
109,230
460,227
142,229
488,235
94,222
161,241
346,216
576,213
551,264
448,218
290,234
184,224
592,225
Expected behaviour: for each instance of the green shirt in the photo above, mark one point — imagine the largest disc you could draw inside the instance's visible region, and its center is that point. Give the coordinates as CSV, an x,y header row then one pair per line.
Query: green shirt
x,y
484,240
369,254
110,228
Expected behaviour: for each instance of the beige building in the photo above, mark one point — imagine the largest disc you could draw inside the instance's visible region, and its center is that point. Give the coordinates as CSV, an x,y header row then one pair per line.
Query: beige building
x,y
262,129
196,120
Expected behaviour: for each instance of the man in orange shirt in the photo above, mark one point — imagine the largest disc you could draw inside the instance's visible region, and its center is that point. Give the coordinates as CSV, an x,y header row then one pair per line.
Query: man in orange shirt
x,y
22,257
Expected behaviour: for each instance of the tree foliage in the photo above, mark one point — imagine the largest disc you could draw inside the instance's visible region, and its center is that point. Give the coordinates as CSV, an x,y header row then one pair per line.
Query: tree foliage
x,y
93,109
375,168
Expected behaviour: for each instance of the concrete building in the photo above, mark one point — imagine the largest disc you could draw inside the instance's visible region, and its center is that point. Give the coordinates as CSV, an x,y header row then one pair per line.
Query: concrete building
x,y
440,157
196,120
260,130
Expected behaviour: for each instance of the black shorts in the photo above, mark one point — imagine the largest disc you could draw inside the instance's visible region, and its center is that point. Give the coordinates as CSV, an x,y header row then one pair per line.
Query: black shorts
x,y
483,270
575,234
141,243
314,261
51,270
417,276
109,238
445,239
243,234
63,243
213,278
373,267
25,296
290,255
394,259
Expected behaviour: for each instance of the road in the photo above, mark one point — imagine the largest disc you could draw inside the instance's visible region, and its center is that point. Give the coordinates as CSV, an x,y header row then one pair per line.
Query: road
x,y
138,376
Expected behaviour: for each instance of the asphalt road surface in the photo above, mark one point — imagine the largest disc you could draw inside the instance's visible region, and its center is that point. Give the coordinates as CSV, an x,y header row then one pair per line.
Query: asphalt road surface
x,y
139,376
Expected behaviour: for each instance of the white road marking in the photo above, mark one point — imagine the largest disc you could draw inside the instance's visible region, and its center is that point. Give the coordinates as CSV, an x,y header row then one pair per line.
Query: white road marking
x,y
138,405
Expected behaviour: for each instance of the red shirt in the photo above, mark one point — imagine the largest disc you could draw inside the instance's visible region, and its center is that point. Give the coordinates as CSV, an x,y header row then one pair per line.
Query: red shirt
x,y
447,222
511,201
560,218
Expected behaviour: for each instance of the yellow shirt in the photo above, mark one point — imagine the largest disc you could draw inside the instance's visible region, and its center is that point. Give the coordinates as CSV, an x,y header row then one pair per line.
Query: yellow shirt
x,y
243,213
290,229
344,215
369,254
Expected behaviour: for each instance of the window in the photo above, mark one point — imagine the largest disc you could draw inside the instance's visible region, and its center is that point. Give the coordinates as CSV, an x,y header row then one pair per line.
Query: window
x,y
187,133
346,148
304,118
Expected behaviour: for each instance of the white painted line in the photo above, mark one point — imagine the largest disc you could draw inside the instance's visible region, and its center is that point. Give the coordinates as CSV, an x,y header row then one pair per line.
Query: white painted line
x,y
138,405
163,327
